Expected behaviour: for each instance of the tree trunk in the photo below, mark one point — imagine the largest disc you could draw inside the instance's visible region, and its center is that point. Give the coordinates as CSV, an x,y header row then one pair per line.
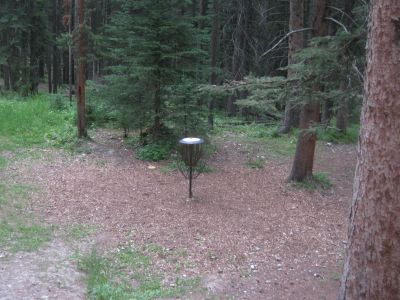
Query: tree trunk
x,y
304,157
56,59
48,66
202,11
81,68
342,113
296,43
214,50
372,263
302,167
6,72
327,113
70,65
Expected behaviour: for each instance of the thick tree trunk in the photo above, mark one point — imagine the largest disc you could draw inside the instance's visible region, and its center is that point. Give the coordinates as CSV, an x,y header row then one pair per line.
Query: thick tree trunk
x,y
81,115
214,51
372,263
304,157
296,43
302,167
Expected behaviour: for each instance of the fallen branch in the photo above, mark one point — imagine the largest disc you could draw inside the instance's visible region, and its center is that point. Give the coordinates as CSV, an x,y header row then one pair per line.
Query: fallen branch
x,y
284,38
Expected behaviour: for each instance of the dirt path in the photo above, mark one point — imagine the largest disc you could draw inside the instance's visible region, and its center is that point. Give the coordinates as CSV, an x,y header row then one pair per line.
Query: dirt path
x,y
247,234
45,274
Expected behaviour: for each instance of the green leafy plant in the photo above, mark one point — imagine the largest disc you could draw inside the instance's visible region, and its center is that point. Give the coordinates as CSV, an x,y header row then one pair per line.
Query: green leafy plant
x,y
153,152
255,163
334,136
126,274
319,181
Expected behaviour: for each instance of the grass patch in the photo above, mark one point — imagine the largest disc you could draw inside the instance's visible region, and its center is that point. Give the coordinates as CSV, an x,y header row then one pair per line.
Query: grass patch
x,y
174,165
255,163
319,181
127,274
79,231
18,229
261,140
34,122
3,162
22,237
332,135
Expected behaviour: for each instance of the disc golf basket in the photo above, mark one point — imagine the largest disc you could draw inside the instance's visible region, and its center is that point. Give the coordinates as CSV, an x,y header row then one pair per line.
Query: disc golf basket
x,y
191,152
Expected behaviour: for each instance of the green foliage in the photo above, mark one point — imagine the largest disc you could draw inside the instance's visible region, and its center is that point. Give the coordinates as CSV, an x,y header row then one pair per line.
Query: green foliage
x,y
335,136
186,113
102,107
259,140
79,231
34,122
319,181
19,231
153,51
3,162
126,274
264,95
24,37
255,163
154,152
23,237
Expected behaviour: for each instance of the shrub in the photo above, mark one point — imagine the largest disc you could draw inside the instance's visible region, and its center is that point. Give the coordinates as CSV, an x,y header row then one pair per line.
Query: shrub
x,y
35,121
154,152
335,136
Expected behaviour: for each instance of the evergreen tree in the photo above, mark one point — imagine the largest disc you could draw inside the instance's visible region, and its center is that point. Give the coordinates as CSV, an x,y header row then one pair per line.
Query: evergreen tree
x,y
154,46
23,40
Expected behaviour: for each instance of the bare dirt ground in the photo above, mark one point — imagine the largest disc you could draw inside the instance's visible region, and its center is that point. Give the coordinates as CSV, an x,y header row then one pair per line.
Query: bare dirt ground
x,y
247,234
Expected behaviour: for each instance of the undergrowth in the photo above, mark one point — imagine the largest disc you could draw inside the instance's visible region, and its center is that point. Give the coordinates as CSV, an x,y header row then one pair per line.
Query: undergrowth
x,y
266,138
19,231
36,121
127,273
319,181
176,164
332,135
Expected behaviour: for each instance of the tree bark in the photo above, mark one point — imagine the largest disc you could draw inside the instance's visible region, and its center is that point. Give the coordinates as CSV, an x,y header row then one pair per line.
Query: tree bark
x,y
296,43
56,59
372,263
48,67
327,113
304,157
214,51
342,113
6,73
81,116
302,167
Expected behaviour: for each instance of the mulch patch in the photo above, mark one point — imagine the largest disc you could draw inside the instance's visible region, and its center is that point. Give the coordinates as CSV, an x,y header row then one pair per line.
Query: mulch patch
x,y
247,233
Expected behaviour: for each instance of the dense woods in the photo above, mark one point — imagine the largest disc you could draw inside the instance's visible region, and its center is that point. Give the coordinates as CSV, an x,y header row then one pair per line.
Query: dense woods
x,y
161,70
166,67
